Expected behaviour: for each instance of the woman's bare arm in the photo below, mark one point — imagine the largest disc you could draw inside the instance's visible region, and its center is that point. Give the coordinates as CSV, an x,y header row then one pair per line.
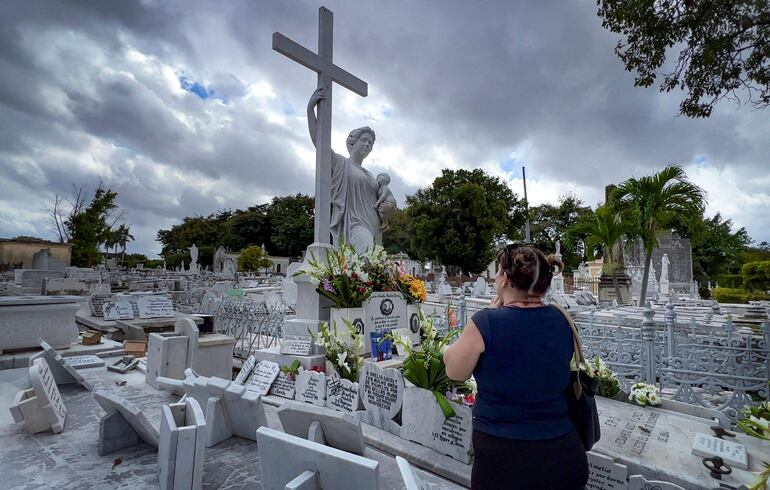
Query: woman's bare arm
x,y
461,357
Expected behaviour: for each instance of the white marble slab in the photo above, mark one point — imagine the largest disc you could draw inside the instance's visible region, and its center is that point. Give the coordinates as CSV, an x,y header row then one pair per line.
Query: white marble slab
x,y
311,388
262,377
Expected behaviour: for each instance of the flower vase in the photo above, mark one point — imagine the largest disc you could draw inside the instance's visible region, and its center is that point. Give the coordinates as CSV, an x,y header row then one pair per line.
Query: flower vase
x,y
413,322
339,319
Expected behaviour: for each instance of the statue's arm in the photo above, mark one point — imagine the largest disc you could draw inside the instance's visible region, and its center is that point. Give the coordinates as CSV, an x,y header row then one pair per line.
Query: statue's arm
x,y
312,121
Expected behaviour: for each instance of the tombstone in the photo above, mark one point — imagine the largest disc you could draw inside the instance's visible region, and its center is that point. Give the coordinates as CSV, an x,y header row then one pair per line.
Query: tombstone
x,y
381,392
181,446
57,286
337,429
297,345
155,306
32,279
605,474
99,296
424,422
170,353
479,287
310,387
262,377
40,407
383,311
289,461
341,394
62,371
231,410
283,386
411,481
289,286
117,310
219,260
638,482
83,362
124,425
245,371
43,259
732,453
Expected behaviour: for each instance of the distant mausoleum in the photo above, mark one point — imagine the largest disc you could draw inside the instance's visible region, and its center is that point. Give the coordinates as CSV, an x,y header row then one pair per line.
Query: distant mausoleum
x,y
19,253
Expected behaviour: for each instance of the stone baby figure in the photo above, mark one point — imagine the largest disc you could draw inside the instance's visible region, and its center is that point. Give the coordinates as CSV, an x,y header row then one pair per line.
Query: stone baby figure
x,y
383,194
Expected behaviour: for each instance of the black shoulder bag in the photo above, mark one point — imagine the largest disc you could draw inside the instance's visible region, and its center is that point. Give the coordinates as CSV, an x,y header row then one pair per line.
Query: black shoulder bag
x,y
580,395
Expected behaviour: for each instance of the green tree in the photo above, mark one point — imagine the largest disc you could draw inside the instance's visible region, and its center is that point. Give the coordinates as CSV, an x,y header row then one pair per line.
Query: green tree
x,y
90,228
395,238
205,232
291,224
460,217
651,204
549,223
724,47
717,249
249,227
253,258
600,233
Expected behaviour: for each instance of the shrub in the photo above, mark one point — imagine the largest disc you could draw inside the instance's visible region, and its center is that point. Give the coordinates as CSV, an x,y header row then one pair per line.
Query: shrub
x,y
729,280
253,259
756,275
735,295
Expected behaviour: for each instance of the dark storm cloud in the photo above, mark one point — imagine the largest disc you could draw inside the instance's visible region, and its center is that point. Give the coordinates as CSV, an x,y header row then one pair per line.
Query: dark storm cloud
x,y
91,90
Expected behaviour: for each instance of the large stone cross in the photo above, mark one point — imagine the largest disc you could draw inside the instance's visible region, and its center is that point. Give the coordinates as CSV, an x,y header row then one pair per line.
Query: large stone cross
x,y
328,72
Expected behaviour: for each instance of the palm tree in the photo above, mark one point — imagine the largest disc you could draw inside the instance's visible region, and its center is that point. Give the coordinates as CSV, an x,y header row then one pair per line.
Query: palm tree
x,y
655,203
599,234
123,237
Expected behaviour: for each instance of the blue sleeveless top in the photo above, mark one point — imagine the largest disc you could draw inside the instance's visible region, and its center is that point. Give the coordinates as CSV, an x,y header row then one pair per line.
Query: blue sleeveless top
x,y
523,373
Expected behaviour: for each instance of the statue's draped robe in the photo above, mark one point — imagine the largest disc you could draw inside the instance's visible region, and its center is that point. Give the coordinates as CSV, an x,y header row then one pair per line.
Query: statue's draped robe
x,y
353,194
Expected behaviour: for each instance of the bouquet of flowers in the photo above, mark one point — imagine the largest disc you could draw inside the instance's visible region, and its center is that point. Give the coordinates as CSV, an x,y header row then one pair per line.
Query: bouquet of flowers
x,y
342,356
644,394
756,421
609,385
382,271
412,288
425,368
342,278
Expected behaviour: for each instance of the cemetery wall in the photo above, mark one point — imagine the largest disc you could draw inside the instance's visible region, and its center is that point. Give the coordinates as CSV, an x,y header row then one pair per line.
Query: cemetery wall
x,y
16,251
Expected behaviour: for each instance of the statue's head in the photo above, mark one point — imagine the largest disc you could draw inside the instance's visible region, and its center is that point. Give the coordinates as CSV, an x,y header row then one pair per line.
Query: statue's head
x,y
356,134
383,178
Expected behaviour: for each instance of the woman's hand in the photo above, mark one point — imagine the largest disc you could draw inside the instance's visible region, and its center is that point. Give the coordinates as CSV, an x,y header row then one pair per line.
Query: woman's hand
x,y
496,302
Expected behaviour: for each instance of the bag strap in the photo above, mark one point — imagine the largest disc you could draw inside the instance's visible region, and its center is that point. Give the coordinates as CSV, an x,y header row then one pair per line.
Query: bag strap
x,y
578,347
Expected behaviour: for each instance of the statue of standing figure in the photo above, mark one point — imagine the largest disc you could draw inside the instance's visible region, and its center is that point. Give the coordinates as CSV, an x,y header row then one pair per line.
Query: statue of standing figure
x,y
361,202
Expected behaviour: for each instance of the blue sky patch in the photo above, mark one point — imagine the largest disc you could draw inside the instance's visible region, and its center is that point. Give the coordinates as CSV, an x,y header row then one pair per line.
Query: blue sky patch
x,y
195,87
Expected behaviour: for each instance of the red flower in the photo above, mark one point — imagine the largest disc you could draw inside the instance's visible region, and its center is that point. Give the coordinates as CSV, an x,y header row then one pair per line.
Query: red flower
x,y
354,276
361,290
369,283
317,369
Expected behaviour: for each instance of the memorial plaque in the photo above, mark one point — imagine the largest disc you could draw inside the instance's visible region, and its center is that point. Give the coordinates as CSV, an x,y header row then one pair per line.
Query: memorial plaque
x,y
246,369
605,474
283,386
155,307
341,394
384,311
262,377
96,303
311,387
298,345
381,392
118,310
51,403
732,453
82,362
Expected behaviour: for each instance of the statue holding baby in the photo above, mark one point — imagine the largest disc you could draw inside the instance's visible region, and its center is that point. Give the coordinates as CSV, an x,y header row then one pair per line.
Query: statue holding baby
x,y
361,202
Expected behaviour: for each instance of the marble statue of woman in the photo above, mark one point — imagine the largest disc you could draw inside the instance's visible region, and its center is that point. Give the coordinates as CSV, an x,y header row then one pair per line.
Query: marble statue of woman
x,y
356,216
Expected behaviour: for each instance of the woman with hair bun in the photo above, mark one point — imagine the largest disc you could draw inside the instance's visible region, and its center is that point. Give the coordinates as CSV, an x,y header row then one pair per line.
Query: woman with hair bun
x,y
519,352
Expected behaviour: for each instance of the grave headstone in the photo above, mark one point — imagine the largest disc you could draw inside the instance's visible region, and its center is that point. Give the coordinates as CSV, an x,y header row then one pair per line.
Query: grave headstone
x,y
246,369
341,394
63,286
167,356
83,362
732,453
231,410
41,407
124,424
62,371
381,392
96,302
117,310
262,377
289,460
605,474
384,311
310,387
424,422
340,430
297,345
181,446
155,307
283,386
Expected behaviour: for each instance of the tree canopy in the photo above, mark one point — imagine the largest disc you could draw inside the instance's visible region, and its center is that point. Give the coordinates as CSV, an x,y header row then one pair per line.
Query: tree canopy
x,y
549,223
460,217
724,48
89,226
253,258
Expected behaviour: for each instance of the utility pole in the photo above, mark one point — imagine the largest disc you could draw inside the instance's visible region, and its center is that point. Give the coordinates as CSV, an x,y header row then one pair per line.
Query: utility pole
x,y
527,235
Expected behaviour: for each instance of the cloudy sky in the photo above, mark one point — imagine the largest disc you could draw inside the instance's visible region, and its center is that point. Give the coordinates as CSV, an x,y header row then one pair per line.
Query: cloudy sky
x,y
183,108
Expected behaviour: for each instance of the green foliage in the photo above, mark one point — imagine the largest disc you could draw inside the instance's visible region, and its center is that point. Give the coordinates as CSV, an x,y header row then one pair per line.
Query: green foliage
x,y
755,254
756,276
549,223
341,351
253,259
717,251
756,421
460,217
724,46
284,226
89,228
395,238
734,281
600,233
735,295
651,204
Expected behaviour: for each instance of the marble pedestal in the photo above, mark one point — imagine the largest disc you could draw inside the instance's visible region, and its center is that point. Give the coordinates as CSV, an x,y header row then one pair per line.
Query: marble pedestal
x,y
24,319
